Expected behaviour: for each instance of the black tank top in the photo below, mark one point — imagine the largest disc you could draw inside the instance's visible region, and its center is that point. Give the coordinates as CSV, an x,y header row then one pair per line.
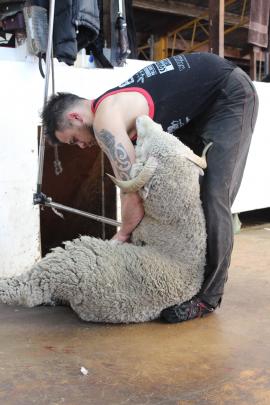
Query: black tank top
x,y
178,88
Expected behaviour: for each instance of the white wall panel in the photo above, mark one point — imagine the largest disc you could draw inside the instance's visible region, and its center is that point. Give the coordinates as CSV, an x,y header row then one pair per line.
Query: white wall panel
x,y
254,192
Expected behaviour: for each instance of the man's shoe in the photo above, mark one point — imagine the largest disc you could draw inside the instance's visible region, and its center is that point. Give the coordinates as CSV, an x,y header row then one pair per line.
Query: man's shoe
x,y
191,309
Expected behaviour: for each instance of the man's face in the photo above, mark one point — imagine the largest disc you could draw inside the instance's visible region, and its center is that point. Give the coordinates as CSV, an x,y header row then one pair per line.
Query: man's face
x,y
75,136
76,132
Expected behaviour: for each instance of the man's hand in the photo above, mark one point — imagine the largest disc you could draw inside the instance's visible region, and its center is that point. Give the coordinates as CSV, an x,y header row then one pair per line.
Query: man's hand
x,y
132,214
121,237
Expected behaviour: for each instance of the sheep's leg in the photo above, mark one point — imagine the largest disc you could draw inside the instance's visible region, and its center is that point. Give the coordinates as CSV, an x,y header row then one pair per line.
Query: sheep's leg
x,y
52,279
29,289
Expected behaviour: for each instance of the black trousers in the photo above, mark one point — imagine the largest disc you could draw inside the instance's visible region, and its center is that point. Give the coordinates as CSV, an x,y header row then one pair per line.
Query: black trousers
x,y
229,124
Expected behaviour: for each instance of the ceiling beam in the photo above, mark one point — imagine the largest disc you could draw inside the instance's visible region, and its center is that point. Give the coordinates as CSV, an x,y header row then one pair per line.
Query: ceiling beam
x,y
183,46
183,9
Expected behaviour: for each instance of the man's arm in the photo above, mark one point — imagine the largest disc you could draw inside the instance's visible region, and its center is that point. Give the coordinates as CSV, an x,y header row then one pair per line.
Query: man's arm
x,y
121,153
121,156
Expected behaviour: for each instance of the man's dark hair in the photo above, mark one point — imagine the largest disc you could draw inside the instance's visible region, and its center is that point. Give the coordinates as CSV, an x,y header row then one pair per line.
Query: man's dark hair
x,y
53,114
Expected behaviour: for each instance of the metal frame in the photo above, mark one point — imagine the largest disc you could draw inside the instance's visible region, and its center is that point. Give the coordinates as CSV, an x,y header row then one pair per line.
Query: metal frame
x,y
46,90
197,24
39,197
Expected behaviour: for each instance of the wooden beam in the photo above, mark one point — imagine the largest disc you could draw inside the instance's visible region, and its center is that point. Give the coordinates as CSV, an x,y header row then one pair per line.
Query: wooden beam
x,y
221,27
170,7
266,63
183,9
216,27
253,63
182,46
256,63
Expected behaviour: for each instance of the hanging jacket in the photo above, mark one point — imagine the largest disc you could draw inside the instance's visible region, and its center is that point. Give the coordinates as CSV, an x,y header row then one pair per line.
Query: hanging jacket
x,y
76,24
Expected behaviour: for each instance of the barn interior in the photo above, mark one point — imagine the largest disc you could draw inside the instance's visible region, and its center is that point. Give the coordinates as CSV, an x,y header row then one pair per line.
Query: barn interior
x,y
219,359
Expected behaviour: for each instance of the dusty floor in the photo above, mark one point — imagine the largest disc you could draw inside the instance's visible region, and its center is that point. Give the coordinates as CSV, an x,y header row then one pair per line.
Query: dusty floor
x,y
221,359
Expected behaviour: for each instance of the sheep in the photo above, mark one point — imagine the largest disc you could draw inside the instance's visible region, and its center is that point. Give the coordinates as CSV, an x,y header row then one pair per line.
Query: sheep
x,y
105,281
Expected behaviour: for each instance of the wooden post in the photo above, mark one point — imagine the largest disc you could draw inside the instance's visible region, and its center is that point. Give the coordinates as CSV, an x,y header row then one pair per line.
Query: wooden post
x,y
266,63
161,48
254,57
216,27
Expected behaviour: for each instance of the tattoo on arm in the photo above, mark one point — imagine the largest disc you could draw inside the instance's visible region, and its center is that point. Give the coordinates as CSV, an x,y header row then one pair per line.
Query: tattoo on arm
x,y
116,152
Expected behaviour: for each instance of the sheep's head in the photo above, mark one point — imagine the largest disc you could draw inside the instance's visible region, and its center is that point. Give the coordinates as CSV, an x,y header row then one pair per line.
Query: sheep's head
x,y
165,172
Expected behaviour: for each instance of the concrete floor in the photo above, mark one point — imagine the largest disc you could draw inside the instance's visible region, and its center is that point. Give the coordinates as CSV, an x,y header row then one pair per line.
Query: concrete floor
x,y
221,359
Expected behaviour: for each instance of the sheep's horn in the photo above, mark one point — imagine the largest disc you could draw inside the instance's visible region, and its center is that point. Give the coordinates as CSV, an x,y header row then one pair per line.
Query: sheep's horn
x,y
130,186
200,161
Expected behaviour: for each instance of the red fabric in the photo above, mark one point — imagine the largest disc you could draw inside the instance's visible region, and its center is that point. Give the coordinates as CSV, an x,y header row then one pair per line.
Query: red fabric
x,y
149,99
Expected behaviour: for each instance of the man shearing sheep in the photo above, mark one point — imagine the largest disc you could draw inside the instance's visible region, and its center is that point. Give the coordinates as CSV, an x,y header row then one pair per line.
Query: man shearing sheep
x,y
198,93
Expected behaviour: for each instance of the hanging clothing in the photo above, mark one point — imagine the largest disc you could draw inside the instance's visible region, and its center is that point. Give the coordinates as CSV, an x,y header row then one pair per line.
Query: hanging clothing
x,y
76,24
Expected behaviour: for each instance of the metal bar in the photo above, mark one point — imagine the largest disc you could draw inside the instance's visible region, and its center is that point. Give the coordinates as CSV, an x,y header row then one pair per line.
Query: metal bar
x,y
173,46
102,194
193,33
47,77
98,218
200,44
120,7
53,75
243,10
49,49
204,29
